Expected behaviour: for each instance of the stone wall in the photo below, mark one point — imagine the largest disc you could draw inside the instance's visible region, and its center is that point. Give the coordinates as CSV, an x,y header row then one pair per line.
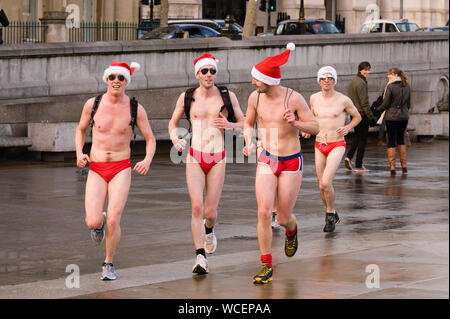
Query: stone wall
x,y
47,84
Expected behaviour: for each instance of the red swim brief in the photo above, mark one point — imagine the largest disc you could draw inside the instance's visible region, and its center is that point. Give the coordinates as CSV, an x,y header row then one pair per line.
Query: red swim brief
x,y
207,160
108,170
282,164
326,148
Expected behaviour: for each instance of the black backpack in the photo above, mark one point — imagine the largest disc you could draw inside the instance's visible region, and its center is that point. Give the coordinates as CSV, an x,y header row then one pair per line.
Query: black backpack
x,y
133,111
188,98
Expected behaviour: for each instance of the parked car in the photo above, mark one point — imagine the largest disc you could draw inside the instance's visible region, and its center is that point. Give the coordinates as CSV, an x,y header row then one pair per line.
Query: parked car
x,y
432,29
206,22
169,32
381,26
233,25
314,26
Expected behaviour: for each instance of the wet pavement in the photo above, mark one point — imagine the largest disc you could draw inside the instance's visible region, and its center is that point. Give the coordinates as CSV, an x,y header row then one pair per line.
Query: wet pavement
x,y
392,228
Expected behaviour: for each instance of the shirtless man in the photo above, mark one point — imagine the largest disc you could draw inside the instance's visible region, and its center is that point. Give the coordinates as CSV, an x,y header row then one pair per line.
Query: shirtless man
x,y
205,163
110,165
330,108
280,113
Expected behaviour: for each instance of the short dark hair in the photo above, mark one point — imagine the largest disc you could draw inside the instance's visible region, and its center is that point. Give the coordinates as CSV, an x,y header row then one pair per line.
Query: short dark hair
x,y
364,65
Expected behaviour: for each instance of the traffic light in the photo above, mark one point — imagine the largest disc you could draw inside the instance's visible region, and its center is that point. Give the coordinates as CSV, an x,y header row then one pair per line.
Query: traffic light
x,y
262,5
272,5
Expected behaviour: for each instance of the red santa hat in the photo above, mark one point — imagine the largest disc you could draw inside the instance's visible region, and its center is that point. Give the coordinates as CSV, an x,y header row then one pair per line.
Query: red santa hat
x,y
268,71
122,68
205,59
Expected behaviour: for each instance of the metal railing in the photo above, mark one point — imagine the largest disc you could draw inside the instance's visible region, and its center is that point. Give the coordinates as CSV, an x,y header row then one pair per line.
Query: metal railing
x,y
103,31
34,32
23,32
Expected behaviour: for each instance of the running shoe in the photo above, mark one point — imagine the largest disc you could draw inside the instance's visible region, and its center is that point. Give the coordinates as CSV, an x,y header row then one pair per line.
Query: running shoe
x,y
108,272
98,235
330,222
264,275
210,242
361,169
201,265
275,223
291,244
348,163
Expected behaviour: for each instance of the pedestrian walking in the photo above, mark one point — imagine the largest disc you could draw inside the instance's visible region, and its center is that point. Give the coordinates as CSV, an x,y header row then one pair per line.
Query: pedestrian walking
x,y
396,105
358,93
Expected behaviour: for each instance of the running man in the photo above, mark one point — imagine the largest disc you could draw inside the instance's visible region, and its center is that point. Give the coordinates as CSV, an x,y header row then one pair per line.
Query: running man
x,y
110,165
280,113
210,110
330,108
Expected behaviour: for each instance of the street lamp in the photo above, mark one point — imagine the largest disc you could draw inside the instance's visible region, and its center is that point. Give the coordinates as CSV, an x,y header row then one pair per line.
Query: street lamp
x,y
301,18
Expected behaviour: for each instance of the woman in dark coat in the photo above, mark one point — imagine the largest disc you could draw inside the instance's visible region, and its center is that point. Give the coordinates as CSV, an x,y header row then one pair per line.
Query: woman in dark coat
x,y
396,104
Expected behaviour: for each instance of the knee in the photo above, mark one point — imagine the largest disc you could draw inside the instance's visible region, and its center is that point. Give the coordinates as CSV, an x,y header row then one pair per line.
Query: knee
x,y
324,185
93,223
264,215
197,210
113,223
210,213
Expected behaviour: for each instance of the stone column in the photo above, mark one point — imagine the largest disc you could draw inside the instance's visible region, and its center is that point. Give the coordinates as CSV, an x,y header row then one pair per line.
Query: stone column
x,y
54,18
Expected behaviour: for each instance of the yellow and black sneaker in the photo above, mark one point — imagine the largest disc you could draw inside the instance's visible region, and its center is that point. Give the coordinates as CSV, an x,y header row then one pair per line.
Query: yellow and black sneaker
x,y
291,244
264,275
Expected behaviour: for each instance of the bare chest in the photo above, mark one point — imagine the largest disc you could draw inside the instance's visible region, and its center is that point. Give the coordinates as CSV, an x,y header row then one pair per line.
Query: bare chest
x,y
206,109
113,120
332,110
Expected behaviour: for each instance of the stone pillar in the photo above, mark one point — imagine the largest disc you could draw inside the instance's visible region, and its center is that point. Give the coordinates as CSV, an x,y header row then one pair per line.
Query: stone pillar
x,y
124,11
54,18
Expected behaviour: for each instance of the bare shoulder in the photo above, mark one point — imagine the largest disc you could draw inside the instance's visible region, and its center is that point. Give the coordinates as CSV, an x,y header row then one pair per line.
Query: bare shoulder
x,y
253,97
314,96
344,99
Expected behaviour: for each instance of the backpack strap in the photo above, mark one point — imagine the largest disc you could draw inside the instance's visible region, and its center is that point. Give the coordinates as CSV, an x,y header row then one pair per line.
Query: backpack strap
x,y
94,110
227,103
133,111
188,98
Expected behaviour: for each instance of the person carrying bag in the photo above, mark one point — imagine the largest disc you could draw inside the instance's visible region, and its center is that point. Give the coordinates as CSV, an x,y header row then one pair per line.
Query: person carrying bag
x,y
395,108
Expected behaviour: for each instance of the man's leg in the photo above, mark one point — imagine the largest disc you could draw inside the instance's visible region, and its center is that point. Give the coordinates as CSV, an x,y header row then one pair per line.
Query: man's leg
x,y
363,132
118,189
95,196
214,185
288,187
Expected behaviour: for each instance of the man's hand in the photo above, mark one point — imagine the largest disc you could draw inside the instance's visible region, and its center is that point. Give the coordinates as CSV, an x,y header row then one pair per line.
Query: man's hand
x,y
248,149
142,167
222,123
289,116
82,160
306,135
342,130
179,143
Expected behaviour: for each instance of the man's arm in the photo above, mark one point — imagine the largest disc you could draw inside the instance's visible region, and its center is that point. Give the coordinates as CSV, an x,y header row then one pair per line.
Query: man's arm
x,y
178,142
222,123
351,109
142,123
249,123
364,99
306,123
80,133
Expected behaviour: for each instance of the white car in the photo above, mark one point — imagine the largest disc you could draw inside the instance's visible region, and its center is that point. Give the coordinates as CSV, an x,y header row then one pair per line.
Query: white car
x,y
382,26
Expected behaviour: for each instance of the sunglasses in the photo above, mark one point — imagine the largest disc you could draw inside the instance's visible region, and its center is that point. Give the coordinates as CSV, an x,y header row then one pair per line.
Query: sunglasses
x,y
205,71
326,77
120,77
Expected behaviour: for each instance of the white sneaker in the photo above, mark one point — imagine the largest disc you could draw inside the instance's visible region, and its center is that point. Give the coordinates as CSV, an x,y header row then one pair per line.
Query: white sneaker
x,y
210,242
201,265
275,223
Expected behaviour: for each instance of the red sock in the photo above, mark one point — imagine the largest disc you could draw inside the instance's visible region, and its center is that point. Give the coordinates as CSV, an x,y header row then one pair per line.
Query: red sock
x,y
291,234
267,259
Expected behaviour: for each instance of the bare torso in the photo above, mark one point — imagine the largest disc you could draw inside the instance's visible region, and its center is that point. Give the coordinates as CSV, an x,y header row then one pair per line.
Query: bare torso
x,y
111,132
330,113
205,136
278,137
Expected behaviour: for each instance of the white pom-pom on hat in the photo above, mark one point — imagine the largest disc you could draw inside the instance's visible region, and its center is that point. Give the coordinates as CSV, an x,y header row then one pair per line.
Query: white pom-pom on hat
x,y
136,66
290,46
